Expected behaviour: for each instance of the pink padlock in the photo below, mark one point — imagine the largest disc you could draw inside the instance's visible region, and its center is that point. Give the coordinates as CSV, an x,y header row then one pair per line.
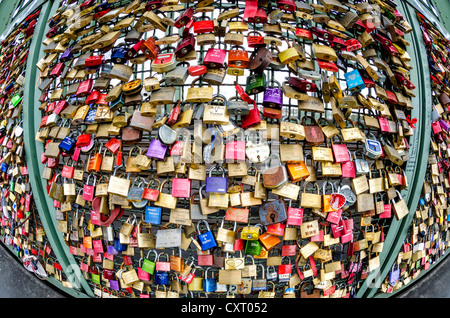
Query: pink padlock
x,y
88,190
215,57
334,216
294,216
181,188
340,153
143,275
98,246
235,149
162,266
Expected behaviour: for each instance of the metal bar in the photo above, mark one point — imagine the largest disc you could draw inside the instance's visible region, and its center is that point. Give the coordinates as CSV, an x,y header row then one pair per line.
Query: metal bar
x,y
418,153
32,148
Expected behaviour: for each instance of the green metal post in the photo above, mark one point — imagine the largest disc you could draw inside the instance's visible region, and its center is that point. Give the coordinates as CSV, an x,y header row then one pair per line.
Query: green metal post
x,y
419,150
31,120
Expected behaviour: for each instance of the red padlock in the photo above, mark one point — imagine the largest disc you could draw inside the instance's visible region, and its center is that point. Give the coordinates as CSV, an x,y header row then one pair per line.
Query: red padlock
x,y
287,5
197,70
93,61
174,114
255,41
215,57
60,106
132,51
92,98
84,88
203,26
186,46
184,18
304,34
57,70
327,65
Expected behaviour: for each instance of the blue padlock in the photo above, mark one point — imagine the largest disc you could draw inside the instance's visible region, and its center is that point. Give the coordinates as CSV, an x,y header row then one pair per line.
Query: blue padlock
x,y
354,80
161,278
90,116
207,240
152,215
216,184
119,246
118,54
209,284
4,167
68,144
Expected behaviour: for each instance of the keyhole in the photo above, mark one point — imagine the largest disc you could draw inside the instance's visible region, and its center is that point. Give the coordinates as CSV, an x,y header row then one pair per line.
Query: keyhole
x,y
272,217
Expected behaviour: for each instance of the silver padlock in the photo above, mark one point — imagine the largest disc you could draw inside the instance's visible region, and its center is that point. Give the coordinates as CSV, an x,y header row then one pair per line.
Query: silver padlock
x,y
167,135
361,165
256,150
372,147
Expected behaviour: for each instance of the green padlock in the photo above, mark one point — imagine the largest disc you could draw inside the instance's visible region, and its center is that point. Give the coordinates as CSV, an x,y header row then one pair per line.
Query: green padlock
x,y
253,248
16,100
12,185
149,265
256,83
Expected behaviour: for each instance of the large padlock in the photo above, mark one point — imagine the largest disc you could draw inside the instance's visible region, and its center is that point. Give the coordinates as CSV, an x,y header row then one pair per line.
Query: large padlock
x,y
400,207
186,45
255,83
273,212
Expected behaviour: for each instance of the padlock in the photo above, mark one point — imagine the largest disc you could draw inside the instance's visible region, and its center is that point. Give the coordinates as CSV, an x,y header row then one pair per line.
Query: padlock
x,y
235,149
255,83
276,175
255,39
372,147
215,57
354,81
237,106
260,59
186,45
238,57
399,207
164,62
273,212
157,149
361,164
207,240
273,96
216,184
257,151
291,128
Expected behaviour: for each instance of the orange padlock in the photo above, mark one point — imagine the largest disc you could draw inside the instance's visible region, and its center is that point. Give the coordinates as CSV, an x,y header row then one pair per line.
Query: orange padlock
x,y
297,171
95,160
326,198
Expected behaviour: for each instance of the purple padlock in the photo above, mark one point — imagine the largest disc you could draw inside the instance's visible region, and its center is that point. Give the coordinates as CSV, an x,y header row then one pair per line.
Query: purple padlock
x,y
66,55
157,150
216,184
111,250
444,125
114,284
273,96
394,275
